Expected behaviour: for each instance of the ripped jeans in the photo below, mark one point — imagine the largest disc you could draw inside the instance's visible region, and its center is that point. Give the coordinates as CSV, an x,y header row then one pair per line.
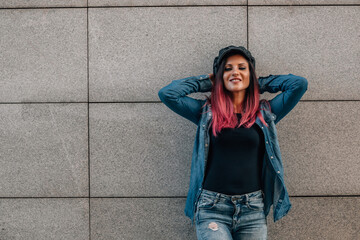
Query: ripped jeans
x,y
223,217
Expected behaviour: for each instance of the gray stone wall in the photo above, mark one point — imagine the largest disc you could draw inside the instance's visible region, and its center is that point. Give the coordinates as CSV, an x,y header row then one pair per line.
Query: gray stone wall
x,y
87,150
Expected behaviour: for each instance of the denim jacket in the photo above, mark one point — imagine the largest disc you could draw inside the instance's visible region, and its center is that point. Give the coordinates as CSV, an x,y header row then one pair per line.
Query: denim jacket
x,y
292,88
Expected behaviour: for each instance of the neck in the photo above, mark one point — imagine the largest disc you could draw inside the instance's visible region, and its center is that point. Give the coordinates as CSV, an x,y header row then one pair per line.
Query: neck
x,y
237,100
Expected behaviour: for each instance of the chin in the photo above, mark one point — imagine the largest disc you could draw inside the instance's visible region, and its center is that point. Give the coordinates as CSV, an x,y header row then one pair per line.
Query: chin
x,y
237,89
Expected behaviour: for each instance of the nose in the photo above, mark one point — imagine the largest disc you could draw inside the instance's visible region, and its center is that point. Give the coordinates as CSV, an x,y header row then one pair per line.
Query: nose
x,y
235,72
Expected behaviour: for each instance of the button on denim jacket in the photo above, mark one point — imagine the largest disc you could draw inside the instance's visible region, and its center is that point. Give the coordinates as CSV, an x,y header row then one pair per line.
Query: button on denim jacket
x,y
292,88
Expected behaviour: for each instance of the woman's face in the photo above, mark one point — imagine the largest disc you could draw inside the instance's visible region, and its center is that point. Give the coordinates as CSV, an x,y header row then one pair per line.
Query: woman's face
x,y
236,73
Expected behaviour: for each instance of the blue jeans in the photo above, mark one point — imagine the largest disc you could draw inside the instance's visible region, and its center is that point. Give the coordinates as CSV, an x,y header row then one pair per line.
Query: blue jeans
x,y
223,217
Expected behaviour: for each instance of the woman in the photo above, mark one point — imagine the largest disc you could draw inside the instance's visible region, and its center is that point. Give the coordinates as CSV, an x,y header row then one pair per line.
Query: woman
x,y
236,170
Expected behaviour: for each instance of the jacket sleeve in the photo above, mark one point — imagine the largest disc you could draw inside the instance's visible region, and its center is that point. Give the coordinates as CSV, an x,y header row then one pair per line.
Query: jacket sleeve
x,y
292,87
174,96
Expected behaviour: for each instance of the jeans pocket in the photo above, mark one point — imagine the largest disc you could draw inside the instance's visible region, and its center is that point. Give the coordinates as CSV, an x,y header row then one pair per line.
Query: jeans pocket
x,y
256,205
207,202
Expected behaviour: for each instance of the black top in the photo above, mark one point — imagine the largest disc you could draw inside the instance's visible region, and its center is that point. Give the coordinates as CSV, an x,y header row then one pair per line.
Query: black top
x,y
235,160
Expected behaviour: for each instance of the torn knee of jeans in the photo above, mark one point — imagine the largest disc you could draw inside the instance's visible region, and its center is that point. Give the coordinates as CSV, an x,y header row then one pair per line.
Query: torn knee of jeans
x,y
213,226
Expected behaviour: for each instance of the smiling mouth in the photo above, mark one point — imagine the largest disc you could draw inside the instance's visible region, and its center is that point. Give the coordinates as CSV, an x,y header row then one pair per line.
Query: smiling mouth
x,y
235,80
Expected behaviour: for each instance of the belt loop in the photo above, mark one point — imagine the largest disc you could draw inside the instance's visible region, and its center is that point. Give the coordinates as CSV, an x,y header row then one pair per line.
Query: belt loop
x,y
217,197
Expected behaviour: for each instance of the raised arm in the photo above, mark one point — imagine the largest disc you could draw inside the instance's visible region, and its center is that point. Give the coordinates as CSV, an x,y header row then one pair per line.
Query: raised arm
x,y
293,88
174,96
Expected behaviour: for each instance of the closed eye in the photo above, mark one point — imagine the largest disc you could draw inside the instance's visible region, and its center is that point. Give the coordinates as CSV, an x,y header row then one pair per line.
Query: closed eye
x,y
227,69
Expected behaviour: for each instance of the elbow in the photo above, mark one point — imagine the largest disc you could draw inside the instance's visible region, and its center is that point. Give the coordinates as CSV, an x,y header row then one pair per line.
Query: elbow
x,y
169,93
162,94
165,94
303,84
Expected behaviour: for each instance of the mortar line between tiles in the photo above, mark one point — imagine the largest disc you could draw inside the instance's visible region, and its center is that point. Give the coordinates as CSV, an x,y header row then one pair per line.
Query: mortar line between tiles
x,y
247,24
235,5
177,6
88,112
307,5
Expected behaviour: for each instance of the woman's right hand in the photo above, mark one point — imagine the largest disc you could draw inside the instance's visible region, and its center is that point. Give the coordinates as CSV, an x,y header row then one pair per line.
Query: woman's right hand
x,y
211,76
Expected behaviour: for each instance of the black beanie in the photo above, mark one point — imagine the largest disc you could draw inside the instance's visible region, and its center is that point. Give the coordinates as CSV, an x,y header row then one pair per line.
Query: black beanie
x,y
230,49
